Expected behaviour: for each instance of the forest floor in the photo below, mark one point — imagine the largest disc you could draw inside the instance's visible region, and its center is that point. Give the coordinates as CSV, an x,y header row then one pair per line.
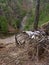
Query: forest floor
x,y
14,55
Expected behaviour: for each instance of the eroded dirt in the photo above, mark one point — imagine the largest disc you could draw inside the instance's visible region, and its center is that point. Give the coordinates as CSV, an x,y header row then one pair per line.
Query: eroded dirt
x,y
15,55
8,40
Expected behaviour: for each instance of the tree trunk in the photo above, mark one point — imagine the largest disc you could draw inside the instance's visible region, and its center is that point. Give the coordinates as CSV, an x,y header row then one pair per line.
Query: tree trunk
x,y
37,15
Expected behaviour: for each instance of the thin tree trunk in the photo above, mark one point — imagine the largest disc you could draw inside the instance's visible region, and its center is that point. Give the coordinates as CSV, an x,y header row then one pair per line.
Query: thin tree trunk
x,y
37,15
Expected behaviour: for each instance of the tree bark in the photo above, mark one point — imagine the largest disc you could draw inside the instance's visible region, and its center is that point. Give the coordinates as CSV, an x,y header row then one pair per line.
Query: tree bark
x,y
37,15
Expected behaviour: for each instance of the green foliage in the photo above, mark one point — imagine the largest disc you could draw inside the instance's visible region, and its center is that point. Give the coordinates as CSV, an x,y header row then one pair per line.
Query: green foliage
x,y
44,15
20,1
29,21
2,1
15,14
15,23
3,24
11,13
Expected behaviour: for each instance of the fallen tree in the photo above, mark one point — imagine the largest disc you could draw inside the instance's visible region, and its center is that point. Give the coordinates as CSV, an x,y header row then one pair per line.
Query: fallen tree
x,y
36,43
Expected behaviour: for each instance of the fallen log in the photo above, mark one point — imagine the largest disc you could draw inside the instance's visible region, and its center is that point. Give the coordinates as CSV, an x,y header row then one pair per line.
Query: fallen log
x,y
36,44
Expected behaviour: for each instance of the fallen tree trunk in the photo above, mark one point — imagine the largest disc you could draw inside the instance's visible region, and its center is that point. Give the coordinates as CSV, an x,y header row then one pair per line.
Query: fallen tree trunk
x,y
36,44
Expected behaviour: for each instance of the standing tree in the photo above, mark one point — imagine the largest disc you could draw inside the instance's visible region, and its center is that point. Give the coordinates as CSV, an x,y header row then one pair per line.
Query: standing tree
x,y
37,14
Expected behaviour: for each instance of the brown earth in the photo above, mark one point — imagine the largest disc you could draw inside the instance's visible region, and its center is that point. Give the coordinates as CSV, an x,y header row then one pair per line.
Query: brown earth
x,y
15,55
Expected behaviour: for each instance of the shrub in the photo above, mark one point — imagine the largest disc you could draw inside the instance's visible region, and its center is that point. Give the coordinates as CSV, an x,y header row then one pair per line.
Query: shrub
x,y
3,24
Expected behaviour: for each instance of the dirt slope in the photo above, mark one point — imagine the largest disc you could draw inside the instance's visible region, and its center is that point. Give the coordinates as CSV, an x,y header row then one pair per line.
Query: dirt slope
x,y
14,55
8,40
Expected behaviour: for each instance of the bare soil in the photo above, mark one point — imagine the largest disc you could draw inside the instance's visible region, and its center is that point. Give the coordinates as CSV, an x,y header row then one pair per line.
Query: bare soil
x,y
15,55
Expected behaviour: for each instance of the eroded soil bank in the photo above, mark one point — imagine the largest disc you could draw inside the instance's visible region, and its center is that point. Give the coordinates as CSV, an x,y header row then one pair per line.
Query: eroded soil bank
x,y
13,55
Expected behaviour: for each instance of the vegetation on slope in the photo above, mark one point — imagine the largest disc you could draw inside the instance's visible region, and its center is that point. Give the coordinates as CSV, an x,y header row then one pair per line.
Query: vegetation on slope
x,y
12,12
44,15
